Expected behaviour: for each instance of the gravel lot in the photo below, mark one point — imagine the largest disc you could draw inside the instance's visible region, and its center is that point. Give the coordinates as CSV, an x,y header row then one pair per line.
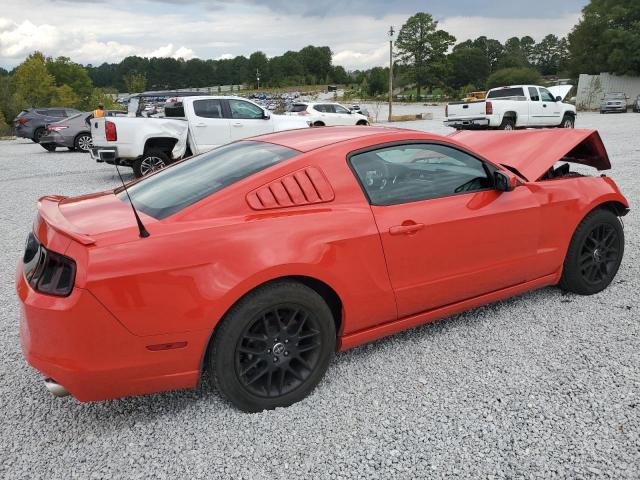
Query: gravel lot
x,y
544,385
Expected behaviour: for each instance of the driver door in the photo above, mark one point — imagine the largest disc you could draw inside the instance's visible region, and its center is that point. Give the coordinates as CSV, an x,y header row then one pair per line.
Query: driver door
x,y
447,234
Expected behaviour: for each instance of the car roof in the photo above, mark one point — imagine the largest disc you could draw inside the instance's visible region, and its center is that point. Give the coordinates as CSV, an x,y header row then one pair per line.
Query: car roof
x,y
307,139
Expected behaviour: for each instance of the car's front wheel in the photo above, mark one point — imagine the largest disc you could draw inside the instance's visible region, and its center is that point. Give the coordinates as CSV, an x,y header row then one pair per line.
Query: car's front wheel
x,y
594,254
273,347
568,122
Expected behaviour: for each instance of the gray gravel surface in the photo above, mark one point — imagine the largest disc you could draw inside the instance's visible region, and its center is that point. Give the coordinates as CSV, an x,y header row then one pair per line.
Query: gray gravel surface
x,y
544,385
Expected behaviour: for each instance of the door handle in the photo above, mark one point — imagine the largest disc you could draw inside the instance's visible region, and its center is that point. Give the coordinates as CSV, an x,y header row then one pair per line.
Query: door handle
x,y
200,125
544,105
237,124
406,229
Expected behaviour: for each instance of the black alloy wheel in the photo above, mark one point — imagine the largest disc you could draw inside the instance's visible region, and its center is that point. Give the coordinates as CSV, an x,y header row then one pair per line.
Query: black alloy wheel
x,y
278,351
594,254
599,254
273,346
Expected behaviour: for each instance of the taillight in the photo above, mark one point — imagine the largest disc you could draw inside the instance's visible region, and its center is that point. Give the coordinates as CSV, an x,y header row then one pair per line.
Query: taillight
x,y
46,271
56,128
110,131
22,120
489,108
446,110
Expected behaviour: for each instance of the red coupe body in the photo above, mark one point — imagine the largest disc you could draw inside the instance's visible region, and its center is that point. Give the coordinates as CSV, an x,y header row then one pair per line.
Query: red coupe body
x,y
141,311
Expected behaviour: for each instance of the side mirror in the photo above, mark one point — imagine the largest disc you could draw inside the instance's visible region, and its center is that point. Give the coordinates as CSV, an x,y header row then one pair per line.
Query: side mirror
x,y
266,115
504,181
558,98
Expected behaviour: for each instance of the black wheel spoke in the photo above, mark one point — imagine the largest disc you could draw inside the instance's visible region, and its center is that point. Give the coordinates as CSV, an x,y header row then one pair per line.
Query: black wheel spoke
x,y
268,356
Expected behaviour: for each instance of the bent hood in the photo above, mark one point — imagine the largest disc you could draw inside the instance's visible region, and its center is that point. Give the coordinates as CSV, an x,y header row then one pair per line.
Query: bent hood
x,y
533,152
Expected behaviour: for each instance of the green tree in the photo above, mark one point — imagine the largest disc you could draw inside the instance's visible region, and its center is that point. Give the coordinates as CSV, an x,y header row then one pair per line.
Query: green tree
x,y
4,127
135,82
377,81
65,96
66,72
513,76
32,84
607,38
468,65
422,48
258,62
550,55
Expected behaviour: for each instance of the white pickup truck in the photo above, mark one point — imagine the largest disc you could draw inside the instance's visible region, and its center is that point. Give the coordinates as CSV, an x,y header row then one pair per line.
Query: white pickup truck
x,y
191,125
515,106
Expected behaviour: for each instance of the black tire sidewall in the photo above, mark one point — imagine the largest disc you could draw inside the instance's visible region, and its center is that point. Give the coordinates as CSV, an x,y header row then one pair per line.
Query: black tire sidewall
x,y
229,332
37,134
507,121
572,279
76,142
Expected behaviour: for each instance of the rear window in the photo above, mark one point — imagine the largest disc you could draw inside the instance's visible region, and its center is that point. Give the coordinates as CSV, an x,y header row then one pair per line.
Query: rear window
x,y
298,107
506,92
188,182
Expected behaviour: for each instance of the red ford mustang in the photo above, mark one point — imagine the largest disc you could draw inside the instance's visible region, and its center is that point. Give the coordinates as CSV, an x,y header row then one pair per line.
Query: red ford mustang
x,y
265,256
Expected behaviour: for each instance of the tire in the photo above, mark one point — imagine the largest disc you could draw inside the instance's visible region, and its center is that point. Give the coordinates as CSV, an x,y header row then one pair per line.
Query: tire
x,y
568,121
273,347
318,124
594,254
151,161
508,123
71,149
601,112
362,123
83,142
49,147
37,134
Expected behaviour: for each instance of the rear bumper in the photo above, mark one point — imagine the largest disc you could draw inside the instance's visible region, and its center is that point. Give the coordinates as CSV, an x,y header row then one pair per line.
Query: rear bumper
x,y
468,123
55,138
78,344
104,154
613,108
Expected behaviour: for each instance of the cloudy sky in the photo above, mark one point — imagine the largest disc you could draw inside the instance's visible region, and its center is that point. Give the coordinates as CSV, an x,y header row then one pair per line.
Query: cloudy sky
x,y
106,31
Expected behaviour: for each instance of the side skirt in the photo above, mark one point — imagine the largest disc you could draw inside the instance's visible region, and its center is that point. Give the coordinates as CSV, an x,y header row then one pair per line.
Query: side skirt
x,y
386,329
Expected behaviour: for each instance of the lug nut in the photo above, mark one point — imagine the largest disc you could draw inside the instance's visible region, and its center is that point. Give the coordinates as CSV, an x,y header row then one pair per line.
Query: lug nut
x,y
268,350
286,341
286,354
275,359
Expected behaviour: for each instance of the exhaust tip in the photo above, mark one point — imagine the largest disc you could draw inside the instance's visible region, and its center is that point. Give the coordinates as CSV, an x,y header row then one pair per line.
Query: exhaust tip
x,y
55,388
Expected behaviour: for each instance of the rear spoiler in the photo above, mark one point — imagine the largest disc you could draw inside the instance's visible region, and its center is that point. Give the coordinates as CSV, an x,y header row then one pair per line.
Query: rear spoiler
x,y
49,211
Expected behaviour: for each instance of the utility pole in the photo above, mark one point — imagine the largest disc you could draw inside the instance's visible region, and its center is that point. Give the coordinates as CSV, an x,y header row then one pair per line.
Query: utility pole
x,y
391,32
258,77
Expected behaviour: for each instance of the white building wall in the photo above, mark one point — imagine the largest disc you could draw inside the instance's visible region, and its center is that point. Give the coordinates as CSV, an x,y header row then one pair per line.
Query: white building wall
x,y
591,89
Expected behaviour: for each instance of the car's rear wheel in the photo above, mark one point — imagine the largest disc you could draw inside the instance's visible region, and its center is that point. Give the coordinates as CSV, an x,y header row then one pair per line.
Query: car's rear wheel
x,y
594,254
83,142
151,161
568,122
507,124
49,147
362,123
273,347
37,134
318,124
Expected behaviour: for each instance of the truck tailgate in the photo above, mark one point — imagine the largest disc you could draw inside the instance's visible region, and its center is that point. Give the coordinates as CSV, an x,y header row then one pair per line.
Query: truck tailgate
x,y
97,131
466,109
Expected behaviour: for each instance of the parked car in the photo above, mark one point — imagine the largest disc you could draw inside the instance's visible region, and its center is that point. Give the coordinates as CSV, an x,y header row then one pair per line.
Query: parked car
x,y
636,105
328,114
31,123
614,102
191,125
73,132
516,106
258,260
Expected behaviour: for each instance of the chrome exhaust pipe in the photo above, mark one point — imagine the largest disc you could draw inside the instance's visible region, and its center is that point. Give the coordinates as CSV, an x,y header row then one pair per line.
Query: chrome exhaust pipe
x,y
55,388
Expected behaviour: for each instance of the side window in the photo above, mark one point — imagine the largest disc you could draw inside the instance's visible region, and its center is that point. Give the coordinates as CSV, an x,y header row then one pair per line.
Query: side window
x,y
319,108
208,108
340,109
57,113
242,109
546,95
533,93
330,108
409,173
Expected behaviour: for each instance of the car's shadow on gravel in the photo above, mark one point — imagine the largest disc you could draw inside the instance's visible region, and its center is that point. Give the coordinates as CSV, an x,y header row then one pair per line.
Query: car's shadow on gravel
x,y
205,397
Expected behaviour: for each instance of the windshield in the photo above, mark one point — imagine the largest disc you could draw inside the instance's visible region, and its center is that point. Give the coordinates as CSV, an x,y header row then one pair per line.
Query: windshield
x,y
616,96
188,182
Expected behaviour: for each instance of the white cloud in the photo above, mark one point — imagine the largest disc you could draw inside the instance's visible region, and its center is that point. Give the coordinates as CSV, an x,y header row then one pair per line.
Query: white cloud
x,y
225,56
101,31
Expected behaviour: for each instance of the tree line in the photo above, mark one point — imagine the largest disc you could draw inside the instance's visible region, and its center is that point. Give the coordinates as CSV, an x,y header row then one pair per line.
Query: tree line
x,y
426,58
